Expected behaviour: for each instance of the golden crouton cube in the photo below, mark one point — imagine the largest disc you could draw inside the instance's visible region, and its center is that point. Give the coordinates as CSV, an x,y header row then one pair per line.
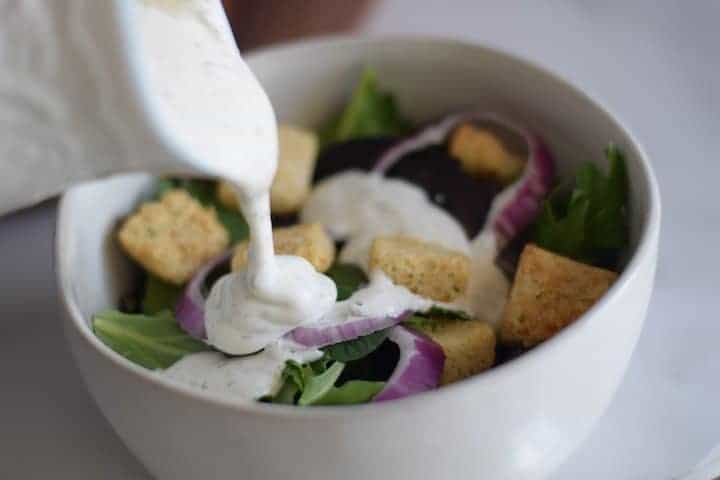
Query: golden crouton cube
x,y
298,150
226,195
424,268
549,292
309,241
469,347
173,237
483,155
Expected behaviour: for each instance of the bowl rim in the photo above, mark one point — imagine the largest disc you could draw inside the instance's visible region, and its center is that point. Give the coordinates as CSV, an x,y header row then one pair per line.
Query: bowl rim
x,y
646,246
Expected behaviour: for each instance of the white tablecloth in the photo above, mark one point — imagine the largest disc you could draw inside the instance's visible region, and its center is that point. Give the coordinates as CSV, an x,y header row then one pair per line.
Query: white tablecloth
x,y
656,63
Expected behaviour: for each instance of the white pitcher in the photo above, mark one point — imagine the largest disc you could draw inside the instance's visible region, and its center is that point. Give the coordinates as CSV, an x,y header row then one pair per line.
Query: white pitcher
x,y
95,87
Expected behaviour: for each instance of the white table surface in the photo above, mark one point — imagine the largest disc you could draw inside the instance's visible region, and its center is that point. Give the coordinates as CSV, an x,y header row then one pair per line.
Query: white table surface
x,y
655,63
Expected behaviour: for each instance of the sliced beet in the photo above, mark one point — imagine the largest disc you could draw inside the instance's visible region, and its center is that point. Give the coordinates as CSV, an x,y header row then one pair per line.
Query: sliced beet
x,y
354,154
464,197
433,169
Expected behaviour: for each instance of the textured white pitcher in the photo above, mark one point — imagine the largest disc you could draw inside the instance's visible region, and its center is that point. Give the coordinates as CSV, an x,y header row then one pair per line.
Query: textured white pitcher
x,y
80,87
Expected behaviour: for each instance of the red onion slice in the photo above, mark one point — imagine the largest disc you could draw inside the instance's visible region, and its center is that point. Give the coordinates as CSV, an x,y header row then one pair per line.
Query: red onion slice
x,y
520,202
419,368
318,336
190,309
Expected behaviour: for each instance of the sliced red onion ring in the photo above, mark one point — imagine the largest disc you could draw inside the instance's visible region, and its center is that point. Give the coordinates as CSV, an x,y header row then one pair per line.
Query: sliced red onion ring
x,y
190,309
419,367
318,336
520,202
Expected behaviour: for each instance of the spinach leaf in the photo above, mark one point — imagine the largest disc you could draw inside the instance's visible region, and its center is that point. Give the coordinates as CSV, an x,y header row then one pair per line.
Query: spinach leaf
x,y
437,311
159,295
589,224
155,342
418,321
357,348
163,186
286,395
369,113
234,223
351,393
317,386
348,278
434,316
297,374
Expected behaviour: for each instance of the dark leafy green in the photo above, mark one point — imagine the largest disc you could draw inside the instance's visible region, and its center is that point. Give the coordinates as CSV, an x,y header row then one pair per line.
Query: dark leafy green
x,y
437,311
357,348
348,278
369,113
589,224
159,295
434,316
153,341
286,395
317,386
234,223
418,321
351,393
163,186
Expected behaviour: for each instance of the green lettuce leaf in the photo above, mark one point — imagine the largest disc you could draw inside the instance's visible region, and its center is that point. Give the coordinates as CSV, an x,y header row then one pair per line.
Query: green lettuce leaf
x,y
317,386
155,342
437,311
348,278
356,348
369,113
351,393
589,224
159,295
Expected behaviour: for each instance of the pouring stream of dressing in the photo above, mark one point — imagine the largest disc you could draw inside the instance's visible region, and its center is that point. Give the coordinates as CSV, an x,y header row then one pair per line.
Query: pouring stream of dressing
x,y
209,106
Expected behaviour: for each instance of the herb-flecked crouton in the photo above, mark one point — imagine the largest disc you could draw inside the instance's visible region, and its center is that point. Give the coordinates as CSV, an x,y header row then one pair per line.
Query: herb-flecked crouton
x,y
173,237
549,292
483,155
469,346
309,241
298,150
424,268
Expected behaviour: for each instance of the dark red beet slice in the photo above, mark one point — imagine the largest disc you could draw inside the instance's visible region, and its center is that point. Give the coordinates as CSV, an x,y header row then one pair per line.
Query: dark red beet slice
x,y
353,154
464,197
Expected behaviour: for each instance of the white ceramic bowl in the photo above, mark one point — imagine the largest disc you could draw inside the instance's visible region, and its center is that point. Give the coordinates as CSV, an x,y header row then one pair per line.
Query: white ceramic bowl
x,y
517,421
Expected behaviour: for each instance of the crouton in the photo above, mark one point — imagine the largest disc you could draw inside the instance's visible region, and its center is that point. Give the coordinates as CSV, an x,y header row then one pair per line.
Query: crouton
x,y
298,150
424,268
469,347
226,195
309,241
173,237
483,155
549,293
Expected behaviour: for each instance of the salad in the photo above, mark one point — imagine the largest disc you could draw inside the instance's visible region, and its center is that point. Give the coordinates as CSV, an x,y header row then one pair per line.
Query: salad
x,y
451,247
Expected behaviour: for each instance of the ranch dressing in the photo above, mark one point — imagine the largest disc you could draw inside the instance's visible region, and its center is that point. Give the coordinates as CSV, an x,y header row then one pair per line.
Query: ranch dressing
x,y
379,298
357,206
248,378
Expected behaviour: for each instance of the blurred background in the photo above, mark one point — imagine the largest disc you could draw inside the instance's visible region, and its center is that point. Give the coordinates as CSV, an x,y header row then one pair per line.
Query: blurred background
x,y
655,63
